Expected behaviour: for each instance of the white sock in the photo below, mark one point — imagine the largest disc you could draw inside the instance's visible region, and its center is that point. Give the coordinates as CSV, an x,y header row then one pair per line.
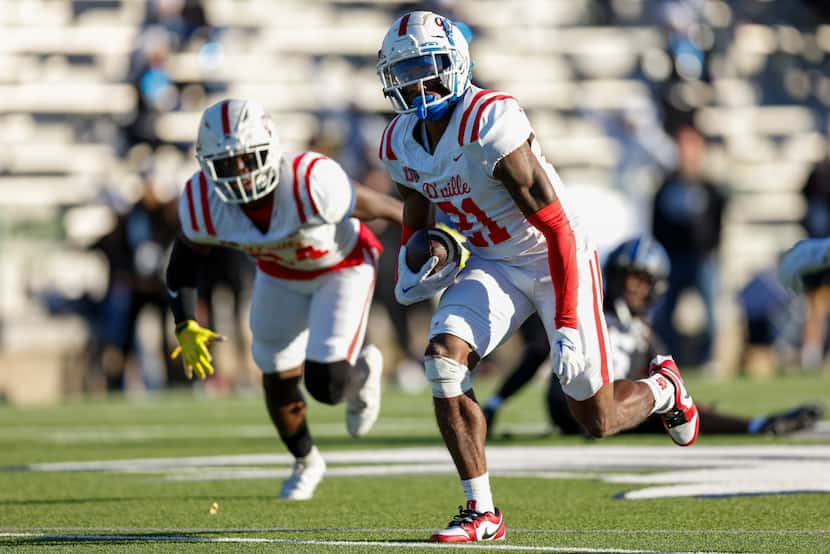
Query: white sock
x,y
662,390
478,489
494,403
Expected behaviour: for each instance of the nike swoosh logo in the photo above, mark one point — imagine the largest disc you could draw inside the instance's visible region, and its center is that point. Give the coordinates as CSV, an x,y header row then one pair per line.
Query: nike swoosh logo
x,y
456,158
487,534
406,290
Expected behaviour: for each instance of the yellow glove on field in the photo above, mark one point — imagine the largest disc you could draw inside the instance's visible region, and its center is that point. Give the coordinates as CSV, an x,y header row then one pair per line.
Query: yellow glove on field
x,y
193,348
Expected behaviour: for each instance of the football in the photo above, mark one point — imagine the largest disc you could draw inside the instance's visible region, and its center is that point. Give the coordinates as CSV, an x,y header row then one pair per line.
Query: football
x,y
421,245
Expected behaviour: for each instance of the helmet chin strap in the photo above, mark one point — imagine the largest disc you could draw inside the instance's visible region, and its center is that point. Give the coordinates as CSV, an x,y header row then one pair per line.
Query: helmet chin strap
x,y
433,112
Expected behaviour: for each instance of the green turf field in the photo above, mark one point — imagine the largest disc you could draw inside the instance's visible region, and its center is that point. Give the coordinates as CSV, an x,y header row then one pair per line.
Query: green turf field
x,y
142,474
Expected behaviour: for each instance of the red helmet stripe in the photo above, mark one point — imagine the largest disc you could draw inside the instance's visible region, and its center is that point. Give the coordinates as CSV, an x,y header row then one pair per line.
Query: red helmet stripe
x,y
226,121
403,25
477,124
203,193
463,125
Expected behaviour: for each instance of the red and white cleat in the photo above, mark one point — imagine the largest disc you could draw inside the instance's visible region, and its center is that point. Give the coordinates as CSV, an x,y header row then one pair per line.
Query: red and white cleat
x,y
470,526
681,420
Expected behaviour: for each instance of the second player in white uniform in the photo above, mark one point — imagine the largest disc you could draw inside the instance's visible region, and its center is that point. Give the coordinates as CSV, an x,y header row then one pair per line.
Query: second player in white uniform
x,y
295,213
472,154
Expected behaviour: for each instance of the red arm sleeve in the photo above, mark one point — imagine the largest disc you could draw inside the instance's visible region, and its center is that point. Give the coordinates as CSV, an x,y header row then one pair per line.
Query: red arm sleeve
x,y
553,223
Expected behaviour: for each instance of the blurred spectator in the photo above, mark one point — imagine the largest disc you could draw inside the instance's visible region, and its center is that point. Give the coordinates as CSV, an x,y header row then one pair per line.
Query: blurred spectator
x,y
816,222
183,19
816,192
156,92
233,271
135,252
770,319
647,152
687,221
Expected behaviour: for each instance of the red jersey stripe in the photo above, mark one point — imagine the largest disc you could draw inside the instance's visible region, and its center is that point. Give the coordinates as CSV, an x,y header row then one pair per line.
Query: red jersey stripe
x,y
390,154
463,125
361,325
297,200
603,353
190,207
599,275
382,141
203,194
402,27
477,123
226,121
308,183
366,241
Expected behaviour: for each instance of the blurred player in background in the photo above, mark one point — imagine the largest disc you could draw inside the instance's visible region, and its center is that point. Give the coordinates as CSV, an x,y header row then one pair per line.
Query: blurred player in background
x,y
635,278
473,154
316,267
805,269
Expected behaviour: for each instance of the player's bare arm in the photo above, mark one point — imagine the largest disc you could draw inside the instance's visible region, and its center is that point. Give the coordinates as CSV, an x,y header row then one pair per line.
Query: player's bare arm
x,y
416,208
525,179
370,204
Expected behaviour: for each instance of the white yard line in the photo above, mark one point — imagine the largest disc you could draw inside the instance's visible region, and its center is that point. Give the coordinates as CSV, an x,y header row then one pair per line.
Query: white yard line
x,y
142,433
648,471
254,540
535,530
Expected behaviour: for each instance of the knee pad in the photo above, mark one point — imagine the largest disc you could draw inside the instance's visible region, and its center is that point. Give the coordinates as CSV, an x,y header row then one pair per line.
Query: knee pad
x,y
447,377
326,381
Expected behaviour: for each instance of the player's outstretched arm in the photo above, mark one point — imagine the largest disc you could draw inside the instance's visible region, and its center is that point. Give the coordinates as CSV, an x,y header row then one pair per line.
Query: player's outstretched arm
x,y
370,204
528,184
805,257
182,270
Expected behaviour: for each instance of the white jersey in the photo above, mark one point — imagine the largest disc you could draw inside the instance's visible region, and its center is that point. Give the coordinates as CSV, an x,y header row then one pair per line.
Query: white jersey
x,y
310,230
458,177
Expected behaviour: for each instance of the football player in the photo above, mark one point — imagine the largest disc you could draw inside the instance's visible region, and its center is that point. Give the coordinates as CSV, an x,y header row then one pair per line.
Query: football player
x,y
297,214
472,154
635,277
805,269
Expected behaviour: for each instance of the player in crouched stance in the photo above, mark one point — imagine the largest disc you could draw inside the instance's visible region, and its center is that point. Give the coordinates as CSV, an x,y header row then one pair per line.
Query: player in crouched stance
x,y
472,153
295,212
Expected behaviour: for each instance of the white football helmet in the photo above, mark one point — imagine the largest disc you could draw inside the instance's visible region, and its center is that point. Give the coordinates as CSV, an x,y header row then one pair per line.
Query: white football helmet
x,y
422,46
238,150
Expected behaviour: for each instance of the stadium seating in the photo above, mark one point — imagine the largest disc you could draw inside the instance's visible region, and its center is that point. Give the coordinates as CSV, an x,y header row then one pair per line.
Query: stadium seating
x,y
64,94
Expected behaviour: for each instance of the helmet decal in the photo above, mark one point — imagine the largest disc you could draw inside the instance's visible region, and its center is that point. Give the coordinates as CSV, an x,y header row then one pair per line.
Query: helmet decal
x,y
423,48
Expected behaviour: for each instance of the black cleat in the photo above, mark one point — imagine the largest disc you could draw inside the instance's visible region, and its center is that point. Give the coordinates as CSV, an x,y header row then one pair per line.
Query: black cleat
x,y
798,419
